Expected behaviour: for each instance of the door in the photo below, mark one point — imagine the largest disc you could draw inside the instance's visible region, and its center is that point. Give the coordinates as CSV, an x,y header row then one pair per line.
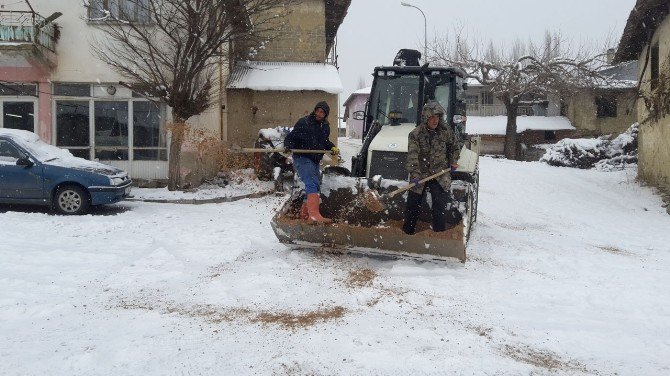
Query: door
x,y
18,182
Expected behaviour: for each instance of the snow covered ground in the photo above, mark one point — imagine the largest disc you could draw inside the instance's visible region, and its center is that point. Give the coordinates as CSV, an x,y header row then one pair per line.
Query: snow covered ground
x,y
567,274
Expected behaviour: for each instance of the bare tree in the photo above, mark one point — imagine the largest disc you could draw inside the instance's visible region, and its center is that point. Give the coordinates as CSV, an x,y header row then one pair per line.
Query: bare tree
x,y
525,72
361,83
170,49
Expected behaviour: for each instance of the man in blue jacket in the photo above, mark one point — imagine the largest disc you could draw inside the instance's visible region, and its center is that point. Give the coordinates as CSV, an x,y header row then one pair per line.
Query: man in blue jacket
x,y
311,133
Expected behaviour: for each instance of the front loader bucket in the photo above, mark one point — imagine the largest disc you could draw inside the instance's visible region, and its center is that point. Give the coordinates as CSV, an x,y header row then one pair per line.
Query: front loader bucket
x,y
361,230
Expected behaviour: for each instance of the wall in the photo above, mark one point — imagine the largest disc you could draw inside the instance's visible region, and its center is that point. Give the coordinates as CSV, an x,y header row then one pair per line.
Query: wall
x,y
272,109
654,142
582,112
301,39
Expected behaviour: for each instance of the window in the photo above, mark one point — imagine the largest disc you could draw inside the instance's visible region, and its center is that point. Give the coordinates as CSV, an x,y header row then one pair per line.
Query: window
x,y
472,101
606,106
126,10
654,66
9,154
148,140
487,98
19,115
72,127
18,90
72,90
120,129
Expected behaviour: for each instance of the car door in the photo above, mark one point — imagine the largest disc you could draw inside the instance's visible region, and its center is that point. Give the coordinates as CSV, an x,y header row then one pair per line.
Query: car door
x,y
18,182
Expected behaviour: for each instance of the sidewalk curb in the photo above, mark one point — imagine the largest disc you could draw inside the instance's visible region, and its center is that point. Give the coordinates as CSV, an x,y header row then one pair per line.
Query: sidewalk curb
x,y
217,200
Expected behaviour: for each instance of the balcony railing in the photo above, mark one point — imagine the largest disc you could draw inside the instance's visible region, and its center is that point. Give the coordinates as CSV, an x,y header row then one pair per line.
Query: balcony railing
x,y
23,27
496,110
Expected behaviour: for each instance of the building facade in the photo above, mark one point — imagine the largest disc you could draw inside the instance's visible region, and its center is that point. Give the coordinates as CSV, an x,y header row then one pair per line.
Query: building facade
x,y
280,83
52,84
355,103
646,38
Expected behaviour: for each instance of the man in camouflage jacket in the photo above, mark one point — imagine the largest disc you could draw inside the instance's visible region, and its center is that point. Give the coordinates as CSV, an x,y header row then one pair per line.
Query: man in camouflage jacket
x,y
432,148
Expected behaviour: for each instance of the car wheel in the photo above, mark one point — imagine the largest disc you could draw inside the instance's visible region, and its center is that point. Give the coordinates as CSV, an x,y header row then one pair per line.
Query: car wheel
x,y
71,200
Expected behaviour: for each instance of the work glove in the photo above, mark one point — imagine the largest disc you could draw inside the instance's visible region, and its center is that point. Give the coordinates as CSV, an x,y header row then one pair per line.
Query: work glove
x,y
414,181
454,167
334,150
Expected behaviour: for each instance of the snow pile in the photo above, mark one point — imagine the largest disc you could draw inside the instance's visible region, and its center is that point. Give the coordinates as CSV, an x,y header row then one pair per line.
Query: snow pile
x,y
274,134
229,185
599,153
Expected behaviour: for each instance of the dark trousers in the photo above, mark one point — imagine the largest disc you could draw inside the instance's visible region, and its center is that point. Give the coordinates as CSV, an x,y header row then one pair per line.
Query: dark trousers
x,y
440,199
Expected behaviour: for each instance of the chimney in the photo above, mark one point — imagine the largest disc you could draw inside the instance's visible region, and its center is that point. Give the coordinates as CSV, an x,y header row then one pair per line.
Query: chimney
x,y
610,55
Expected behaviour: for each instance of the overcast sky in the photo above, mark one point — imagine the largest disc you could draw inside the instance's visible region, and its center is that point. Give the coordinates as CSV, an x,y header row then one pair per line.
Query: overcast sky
x,y
374,30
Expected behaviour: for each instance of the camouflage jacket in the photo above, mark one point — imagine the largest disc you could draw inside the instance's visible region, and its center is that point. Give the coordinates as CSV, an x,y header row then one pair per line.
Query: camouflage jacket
x,y
431,151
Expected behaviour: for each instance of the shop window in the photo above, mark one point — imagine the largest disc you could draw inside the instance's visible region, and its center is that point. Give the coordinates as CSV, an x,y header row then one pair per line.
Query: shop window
x,y
72,90
19,115
111,130
15,90
606,106
148,140
72,127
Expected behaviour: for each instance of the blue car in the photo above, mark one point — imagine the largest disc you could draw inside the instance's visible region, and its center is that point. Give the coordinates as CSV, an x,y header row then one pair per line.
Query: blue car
x,y
33,172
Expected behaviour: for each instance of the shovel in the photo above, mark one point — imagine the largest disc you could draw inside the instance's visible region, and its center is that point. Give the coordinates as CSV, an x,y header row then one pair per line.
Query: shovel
x,y
280,150
376,202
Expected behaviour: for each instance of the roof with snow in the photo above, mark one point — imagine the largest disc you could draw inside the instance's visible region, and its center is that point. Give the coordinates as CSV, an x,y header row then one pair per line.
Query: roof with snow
x,y
363,91
620,76
643,21
496,125
285,76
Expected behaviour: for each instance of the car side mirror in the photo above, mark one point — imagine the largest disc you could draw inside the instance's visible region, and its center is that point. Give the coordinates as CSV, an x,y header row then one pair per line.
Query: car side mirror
x,y
359,115
25,161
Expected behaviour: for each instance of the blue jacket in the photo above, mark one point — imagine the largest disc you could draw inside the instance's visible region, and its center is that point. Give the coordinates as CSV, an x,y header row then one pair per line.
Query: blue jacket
x,y
311,135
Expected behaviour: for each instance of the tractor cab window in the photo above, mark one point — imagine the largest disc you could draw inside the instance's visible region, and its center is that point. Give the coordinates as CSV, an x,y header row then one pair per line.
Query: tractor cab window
x,y
395,100
438,88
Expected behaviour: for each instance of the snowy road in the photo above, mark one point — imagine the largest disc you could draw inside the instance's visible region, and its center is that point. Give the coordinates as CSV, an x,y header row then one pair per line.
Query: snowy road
x,y
567,274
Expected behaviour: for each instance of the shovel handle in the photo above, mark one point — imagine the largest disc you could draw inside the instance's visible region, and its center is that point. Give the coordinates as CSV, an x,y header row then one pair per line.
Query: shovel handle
x,y
412,185
294,151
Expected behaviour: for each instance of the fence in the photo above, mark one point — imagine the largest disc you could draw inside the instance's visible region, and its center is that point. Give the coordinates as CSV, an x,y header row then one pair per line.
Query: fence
x,y
495,110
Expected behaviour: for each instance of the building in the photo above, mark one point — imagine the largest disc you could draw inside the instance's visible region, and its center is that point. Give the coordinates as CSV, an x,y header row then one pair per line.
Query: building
x,y
279,84
609,109
51,83
646,38
355,103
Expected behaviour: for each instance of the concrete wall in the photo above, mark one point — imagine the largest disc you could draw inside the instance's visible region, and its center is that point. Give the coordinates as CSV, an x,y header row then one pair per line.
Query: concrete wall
x,y
302,38
654,142
582,112
249,111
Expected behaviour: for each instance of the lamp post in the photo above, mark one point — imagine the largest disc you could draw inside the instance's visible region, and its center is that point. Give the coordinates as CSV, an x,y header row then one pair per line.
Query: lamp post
x,y
425,29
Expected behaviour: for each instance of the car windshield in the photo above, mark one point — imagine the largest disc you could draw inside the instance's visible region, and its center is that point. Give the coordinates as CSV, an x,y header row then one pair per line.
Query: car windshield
x,y
42,151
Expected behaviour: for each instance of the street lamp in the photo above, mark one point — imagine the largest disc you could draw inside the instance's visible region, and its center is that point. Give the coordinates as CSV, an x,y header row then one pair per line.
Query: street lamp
x,y
425,29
